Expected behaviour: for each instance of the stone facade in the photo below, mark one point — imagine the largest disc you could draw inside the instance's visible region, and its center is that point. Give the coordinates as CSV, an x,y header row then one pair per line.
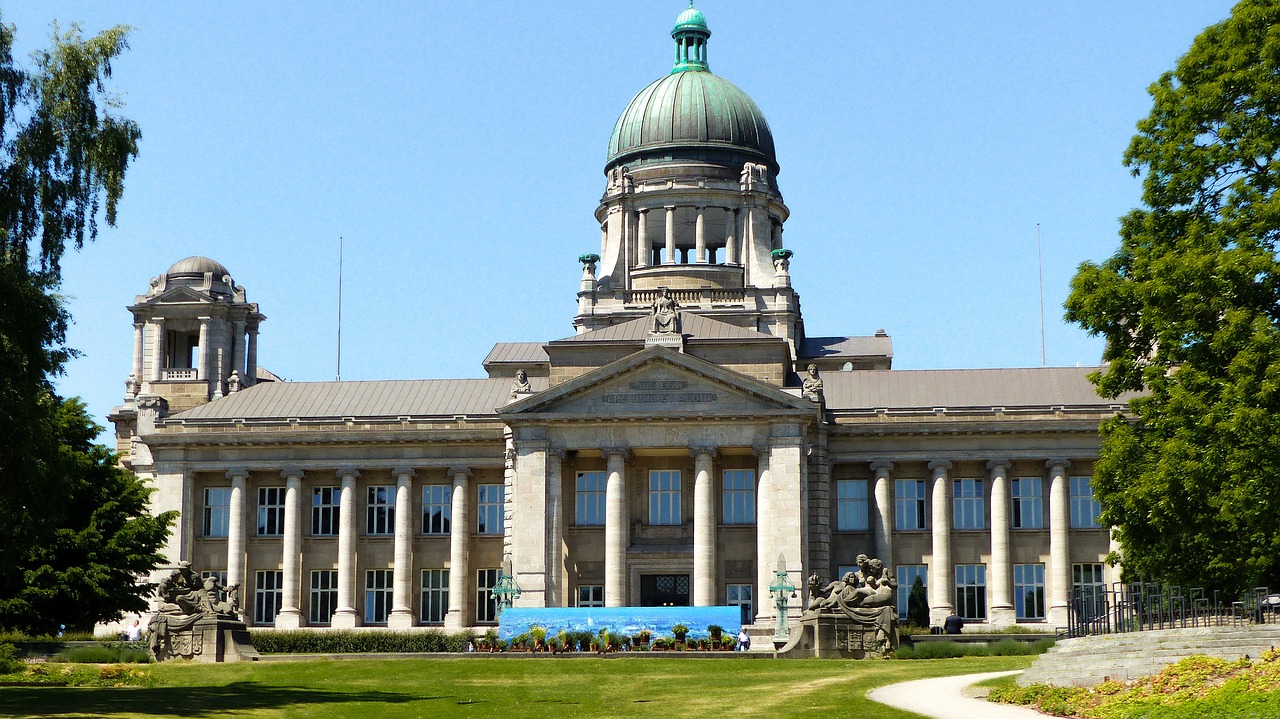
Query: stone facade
x,y
633,468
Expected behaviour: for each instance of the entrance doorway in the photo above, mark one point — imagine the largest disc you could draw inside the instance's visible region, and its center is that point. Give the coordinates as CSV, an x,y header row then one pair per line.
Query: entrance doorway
x,y
664,590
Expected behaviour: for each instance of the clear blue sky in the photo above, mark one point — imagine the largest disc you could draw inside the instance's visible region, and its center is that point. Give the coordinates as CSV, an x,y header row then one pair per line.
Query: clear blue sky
x,y
459,149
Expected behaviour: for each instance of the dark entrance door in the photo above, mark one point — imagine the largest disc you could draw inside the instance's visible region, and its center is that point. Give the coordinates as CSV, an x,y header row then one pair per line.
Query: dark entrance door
x,y
664,590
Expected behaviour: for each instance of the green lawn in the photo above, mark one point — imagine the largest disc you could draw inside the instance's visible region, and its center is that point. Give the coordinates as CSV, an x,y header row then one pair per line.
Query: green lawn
x,y
497,687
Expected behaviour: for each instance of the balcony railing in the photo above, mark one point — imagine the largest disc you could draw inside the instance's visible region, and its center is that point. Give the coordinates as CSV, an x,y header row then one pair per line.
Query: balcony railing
x,y
187,374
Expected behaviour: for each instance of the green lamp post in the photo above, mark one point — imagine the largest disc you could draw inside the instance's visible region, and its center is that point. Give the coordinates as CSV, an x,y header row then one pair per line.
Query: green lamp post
x,y
782,590
506,591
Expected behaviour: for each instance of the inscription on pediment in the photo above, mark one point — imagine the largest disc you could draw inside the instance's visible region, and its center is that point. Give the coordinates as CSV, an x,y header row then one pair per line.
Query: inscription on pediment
x,y
660,390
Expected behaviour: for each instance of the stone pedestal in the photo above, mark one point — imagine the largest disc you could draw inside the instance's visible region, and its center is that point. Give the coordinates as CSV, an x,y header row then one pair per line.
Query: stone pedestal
x,y
289,619
207,639
671,341
835,636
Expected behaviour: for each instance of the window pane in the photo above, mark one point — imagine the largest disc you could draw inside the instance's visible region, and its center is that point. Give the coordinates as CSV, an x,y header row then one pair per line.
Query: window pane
x,y
1028,591
851,505
971,591
267,596
739,500
1028,503
381,518
907,574
324,511
489,517
377,595
1084,510
589,499
437,508
271,511
217,511
435,595
968,503
664,497
909,504
324,596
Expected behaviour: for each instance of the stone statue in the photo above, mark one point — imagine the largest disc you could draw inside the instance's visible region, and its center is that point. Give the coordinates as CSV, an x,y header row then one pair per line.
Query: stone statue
x,y
812,387
131,385
233,382
859,606
198,619
754,176
521,385
665,319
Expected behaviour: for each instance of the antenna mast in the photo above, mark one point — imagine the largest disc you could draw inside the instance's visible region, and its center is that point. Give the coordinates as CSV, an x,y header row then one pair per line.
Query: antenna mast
x,y
339,375
1040,263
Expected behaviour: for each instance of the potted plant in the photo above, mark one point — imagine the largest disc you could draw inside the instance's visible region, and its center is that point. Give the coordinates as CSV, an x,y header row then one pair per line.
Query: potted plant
x,y
490,641
727,643
643,638
716,631
680,631
539,636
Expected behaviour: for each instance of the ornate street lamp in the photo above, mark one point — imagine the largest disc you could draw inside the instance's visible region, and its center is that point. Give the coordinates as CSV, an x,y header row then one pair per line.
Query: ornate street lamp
x,y
781,589
506,591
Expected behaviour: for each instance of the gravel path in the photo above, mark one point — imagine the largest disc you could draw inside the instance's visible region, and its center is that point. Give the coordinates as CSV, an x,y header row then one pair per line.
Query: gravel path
x,y
943,698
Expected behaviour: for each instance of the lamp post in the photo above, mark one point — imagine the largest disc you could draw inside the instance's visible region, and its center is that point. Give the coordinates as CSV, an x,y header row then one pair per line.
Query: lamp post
x,y
506,591
781,589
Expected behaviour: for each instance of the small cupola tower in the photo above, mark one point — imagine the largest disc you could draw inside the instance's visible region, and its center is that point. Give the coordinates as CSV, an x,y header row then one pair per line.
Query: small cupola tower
x,y
691,34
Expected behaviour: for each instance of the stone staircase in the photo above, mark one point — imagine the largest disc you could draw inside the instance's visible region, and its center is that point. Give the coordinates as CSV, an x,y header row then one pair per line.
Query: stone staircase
x,y
1086,661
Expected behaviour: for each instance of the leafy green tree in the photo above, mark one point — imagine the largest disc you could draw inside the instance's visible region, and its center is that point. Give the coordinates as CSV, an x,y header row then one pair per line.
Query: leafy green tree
x,y
1189,306
918,604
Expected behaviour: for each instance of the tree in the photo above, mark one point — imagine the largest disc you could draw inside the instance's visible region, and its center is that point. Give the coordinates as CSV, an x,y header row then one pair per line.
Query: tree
x,y
63,156
1189,306
918,604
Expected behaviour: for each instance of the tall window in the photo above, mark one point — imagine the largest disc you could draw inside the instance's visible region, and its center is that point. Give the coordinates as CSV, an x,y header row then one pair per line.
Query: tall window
x,y
739,496
1093,589
851,505
267,595
1084,509
435,595
664,497
591,595
486,603
908,503
589,499
907,575
489,518
220,575
969,503
324,596
1028,590
325,509
1028,503
217,511
971,591
437,508
270,511
377,595
739,595
381,517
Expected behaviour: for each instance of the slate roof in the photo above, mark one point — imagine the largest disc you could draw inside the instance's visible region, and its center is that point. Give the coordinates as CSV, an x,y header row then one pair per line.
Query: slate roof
x,y
928,389
867,346
381,398
692,326
517,353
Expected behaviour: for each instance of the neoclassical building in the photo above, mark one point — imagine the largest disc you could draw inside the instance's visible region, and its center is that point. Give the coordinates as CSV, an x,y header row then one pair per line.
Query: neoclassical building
x,y
685,443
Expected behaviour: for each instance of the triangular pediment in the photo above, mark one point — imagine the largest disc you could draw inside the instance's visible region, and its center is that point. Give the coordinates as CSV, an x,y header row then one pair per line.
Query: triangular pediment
x,y
660,382
178,294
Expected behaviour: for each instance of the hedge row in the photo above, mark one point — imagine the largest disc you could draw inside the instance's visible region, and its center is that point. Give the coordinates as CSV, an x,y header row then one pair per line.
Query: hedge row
x,y
347,642
949,650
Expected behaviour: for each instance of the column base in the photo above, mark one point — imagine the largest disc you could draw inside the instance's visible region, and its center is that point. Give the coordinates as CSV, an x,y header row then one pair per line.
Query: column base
x,y
345,619
289,618
453,622
1002,616
939,614
400,619
1058,615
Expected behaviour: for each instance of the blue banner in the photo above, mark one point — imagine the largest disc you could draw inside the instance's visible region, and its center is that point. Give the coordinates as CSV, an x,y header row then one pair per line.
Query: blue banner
x,y
619,620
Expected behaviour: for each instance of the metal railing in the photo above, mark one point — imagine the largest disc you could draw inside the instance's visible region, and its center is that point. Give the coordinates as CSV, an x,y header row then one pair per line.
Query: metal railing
x,y
1142,606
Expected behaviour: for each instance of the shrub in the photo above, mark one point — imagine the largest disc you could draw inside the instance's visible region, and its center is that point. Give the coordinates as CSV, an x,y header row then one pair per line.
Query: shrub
x,y
9,661
717,631
347,642
950,650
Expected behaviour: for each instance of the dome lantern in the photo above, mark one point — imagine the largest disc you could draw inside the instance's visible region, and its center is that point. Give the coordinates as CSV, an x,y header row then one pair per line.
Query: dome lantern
x,y
690,34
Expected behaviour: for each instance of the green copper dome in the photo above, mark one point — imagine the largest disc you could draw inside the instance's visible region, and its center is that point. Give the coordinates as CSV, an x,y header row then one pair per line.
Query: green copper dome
x,y
691,113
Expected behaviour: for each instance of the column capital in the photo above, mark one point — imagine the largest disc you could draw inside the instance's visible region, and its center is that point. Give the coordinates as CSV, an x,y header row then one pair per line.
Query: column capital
x,y
239,473
459,471
881,465
1057,462
139,324
994,464
345,473
938,464
711,452
622,452
760,450
559,453
294,473
642,210
669,208
403,473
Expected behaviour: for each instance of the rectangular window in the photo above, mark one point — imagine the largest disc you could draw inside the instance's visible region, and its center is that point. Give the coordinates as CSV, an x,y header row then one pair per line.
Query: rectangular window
x,y
377,595
217,511
969,504
739,595
489,518
851,505
739,496
1028,590
437,508
270,511
267,595
486,603
907,576
908,504
435,595
325,509
664,497
591,595
971,591
1028,503
1084,509
1093,590
219,575
589,499
324,596
381,518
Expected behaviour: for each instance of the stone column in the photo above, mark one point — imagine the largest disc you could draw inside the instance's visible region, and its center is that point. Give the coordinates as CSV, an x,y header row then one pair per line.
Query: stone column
x,y
1059,579
137,357
401,616
615,528
940,571
643,249
776,231
251,365
157,350
555,595
1000,576
235,529
700,237
290,617
704,527
345,617
883,519
459,551
730,235
671,239
203,359
765,558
